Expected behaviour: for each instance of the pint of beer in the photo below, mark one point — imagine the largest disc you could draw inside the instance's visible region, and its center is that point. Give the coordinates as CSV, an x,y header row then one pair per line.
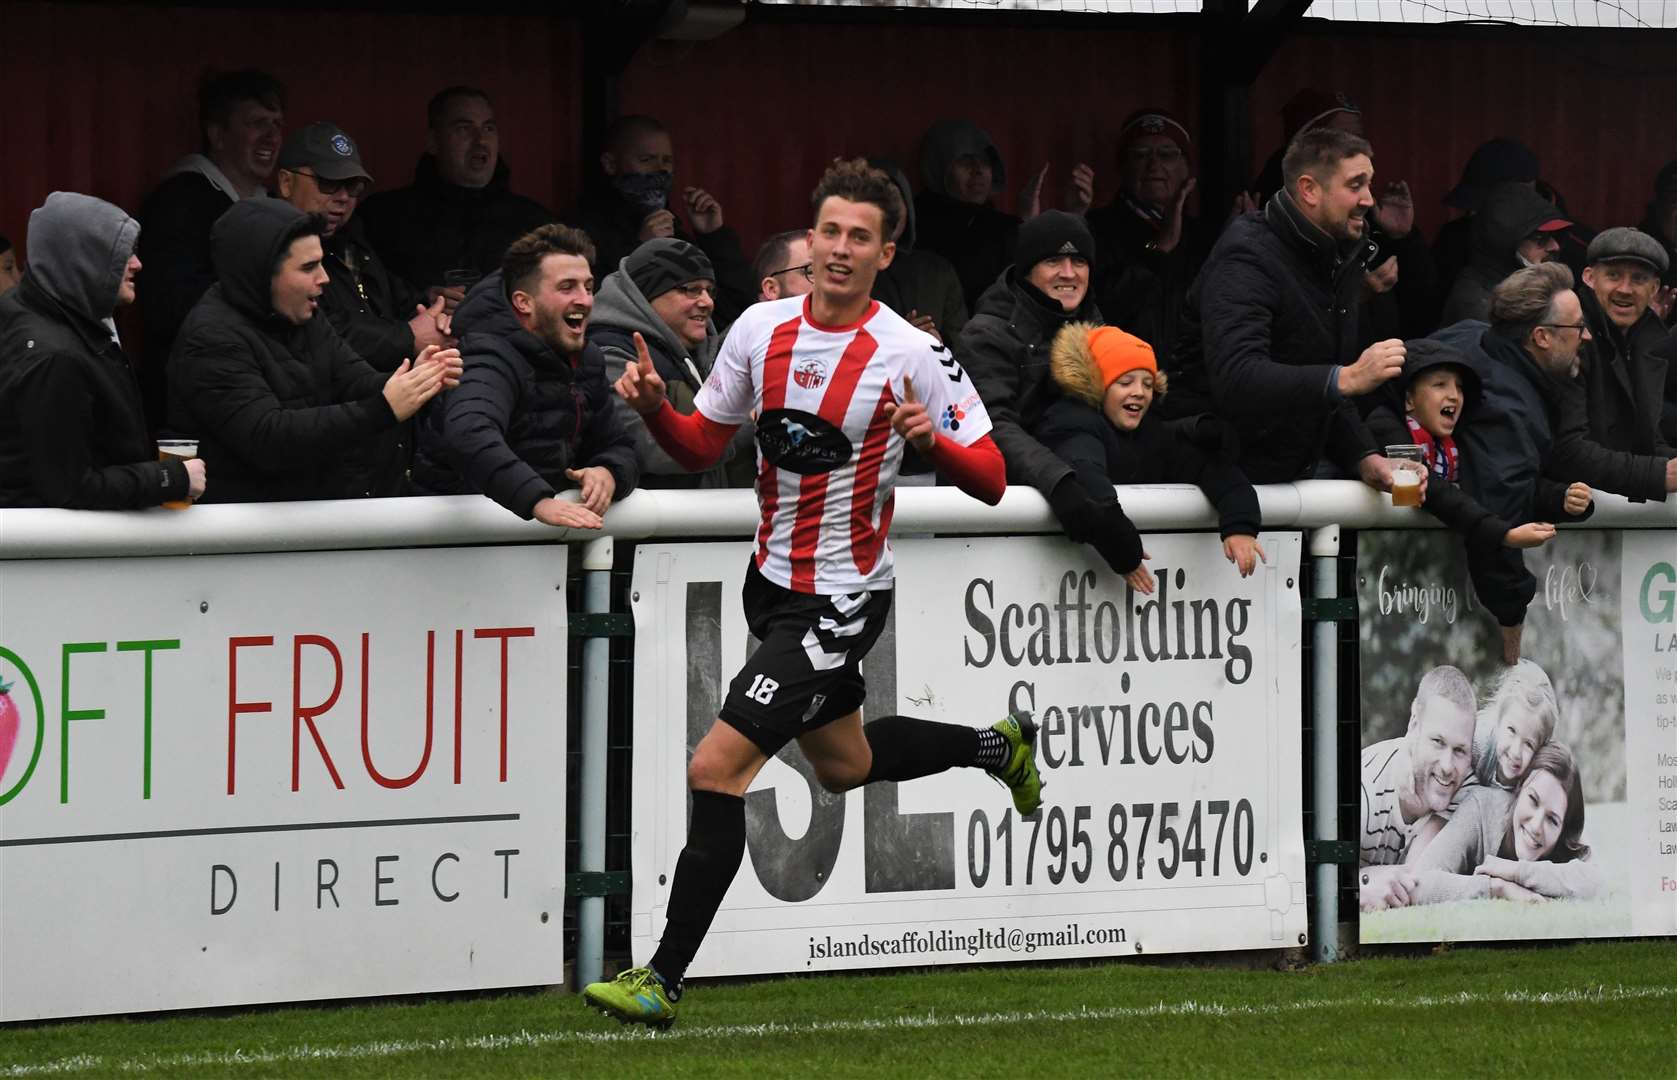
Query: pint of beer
x,y
1409,464
172,449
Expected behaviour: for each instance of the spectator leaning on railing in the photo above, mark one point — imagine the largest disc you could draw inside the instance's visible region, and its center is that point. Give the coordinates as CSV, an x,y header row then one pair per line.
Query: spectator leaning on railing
x,y
1435,403
1533,428
282,408
531,416
72,430
1275,337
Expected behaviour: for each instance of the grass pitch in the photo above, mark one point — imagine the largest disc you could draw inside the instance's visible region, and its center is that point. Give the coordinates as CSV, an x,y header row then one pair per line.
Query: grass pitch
x,y
1601,1009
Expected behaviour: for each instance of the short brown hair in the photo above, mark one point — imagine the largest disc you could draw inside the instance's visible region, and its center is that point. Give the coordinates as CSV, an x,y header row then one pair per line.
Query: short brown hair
x,y
524,257
1318,152
1524,299
854,179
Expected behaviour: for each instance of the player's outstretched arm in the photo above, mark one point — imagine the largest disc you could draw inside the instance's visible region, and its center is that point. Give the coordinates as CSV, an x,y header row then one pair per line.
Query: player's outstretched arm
x,y
977,470
696,442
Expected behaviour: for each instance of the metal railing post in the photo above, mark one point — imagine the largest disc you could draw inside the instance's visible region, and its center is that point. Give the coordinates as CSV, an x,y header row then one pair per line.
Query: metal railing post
x,y
1324,744
591,802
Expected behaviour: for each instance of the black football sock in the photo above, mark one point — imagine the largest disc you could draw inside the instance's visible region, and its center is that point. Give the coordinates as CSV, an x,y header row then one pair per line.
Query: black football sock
x,y
715,846
905,748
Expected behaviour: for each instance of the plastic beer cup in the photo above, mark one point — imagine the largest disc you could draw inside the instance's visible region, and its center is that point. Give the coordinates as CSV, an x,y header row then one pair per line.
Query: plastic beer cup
x,y
177,449
1409,465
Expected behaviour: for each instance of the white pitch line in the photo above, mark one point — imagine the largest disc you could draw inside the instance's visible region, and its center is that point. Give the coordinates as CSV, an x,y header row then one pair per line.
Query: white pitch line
x,y
519,1040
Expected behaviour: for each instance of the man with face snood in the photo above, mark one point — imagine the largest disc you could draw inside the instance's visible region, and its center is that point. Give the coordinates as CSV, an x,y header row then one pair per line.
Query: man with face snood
x,y
629,203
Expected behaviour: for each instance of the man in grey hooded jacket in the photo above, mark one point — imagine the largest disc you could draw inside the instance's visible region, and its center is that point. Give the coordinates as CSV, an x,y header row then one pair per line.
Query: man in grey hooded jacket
x,y
72,433
665,290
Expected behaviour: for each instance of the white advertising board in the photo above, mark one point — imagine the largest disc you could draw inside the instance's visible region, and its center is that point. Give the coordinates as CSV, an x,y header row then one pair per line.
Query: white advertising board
x,y
1563,822
250,778
1170,749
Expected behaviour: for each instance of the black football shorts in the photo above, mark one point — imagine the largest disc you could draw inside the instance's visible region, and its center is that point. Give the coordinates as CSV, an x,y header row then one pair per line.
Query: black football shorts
x,y
807,669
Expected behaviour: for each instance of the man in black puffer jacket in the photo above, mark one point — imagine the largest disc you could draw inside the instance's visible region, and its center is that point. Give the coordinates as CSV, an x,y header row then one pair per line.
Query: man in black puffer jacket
x,y
532,413
72,430
282,408
1270,332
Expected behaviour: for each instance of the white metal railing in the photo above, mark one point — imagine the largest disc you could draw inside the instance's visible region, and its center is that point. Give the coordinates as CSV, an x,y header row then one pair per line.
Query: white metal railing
x,y
457,520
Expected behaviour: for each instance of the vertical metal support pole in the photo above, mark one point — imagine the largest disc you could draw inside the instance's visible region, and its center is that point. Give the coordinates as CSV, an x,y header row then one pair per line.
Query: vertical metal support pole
x,y
591,826
1324,745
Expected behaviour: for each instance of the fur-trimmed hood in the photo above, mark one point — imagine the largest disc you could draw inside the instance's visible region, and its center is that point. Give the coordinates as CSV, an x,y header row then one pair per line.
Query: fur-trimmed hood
x,y
1075,370
1072,363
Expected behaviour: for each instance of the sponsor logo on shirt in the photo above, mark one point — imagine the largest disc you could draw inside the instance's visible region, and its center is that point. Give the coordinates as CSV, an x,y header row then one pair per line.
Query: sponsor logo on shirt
x,y
952,418
801,442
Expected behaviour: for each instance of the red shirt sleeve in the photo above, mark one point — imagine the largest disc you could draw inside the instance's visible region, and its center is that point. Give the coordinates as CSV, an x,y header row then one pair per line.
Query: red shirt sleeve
x,y
977,470
695,441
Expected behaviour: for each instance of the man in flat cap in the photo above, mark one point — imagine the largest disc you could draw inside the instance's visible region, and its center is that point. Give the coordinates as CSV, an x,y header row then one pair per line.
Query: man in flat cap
x,y
381,317
1623,372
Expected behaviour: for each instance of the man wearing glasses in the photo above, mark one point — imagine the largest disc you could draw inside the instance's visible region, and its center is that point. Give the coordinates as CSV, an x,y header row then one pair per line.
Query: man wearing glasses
x,y
664,292
782,267
1150,249
380,316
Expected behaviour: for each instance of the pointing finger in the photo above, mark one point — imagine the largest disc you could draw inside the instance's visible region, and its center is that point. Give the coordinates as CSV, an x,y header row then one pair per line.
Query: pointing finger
x,y
644,355
908,390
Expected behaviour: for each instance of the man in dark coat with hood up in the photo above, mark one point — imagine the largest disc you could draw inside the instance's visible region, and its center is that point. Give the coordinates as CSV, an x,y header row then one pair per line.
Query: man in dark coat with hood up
x,y
1515,227
919,285
532,414
459,213
282,407
72,430
961,172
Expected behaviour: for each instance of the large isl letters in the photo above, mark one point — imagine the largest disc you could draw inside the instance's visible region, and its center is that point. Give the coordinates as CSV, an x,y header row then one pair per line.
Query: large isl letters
x,y
901,852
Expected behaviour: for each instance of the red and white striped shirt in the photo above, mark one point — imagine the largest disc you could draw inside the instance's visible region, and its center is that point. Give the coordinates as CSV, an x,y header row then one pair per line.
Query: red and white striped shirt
x,y
827,457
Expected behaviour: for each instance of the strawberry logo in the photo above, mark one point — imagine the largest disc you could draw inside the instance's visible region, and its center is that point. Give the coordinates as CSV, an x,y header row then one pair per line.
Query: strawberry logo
x,y
8,726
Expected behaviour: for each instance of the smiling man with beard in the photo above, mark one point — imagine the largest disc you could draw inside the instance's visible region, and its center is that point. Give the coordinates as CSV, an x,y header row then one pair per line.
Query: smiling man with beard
x,y
1270,327
282,408
1408,778
531,415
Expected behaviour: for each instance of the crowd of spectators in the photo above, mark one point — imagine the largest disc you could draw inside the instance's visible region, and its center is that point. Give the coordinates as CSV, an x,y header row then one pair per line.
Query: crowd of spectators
x,y
320,340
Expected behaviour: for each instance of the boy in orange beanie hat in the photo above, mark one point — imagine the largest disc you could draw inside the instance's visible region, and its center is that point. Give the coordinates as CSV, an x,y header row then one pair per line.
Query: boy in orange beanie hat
x,y
1100,427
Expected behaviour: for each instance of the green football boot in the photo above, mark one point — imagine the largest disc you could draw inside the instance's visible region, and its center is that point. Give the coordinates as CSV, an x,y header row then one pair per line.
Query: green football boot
x,y
634,997
1019,774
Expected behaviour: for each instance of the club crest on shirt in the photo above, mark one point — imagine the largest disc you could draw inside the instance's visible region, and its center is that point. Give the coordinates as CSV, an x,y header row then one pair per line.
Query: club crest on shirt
x,y
809,373
801,442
